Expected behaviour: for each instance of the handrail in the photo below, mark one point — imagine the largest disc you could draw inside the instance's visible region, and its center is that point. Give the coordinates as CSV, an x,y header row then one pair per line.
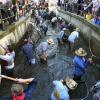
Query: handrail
x,y
75,8
7,17
10,18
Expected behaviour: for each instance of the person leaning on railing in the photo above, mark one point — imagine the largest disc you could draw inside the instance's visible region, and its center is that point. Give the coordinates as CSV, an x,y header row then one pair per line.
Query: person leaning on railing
x,y
14,9
96,5
10,15
97,17
89,16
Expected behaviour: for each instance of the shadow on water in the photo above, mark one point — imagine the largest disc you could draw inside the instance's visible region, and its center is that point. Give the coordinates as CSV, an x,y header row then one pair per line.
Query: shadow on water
x,y
57,67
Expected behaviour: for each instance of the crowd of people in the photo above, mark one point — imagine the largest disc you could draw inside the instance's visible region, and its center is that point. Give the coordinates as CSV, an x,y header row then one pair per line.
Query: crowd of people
x,y
61,87
11,12
90,9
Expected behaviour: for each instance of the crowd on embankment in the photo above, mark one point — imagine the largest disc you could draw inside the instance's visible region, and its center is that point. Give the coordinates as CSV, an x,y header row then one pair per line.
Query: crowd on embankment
x,y
89,9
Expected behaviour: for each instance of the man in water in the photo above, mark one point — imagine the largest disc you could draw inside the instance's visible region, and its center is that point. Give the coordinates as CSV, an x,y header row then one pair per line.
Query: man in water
x,y
42,49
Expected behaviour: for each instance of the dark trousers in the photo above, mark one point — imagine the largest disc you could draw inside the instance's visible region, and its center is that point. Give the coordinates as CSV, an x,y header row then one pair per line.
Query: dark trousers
x,y
53,24
14,18
77,78
43,61
8,72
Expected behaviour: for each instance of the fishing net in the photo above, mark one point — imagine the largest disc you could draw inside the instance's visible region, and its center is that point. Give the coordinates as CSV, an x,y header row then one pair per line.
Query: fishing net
x,y
80,92
94,46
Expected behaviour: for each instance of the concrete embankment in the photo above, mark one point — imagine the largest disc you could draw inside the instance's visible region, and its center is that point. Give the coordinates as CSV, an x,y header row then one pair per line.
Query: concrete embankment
x,y
89,31
14,33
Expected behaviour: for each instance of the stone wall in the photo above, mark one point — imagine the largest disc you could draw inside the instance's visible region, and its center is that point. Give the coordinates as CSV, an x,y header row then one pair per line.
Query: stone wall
x,y
89,31
14,33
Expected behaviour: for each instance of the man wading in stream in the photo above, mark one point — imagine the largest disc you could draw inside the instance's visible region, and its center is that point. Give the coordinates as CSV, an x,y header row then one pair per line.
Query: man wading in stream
x,y
80,63
73,39
61,89
28,51
42,50
62,36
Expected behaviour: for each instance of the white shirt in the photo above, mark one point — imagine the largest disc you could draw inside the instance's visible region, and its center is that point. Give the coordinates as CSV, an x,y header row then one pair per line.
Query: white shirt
x,y
61,89
42,48
46,1
37,2
54,19
62,1
73,36
4,1
9,57
96,4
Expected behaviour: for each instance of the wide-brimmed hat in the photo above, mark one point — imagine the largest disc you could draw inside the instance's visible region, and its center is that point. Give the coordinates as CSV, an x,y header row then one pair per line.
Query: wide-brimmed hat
x,y
81,52
77,29
50,41
71,83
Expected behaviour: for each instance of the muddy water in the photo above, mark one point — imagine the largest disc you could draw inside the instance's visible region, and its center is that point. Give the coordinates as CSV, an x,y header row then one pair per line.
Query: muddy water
x,y
58,67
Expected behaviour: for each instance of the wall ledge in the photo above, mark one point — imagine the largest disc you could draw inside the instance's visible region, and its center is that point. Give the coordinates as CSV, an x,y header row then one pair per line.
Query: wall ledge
x,y
93,26
10,28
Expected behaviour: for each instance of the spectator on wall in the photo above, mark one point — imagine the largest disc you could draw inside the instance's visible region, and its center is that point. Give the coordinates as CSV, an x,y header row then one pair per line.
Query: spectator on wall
x,y
97,17
96,5
14,9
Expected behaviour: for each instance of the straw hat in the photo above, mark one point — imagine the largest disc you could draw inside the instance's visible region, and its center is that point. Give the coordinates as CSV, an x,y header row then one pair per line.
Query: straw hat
x,y
50,41
81,52
71,83
77,29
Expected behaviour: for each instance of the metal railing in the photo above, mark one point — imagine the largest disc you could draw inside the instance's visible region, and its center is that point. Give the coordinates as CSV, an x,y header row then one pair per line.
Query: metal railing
x,y
74,8
6,21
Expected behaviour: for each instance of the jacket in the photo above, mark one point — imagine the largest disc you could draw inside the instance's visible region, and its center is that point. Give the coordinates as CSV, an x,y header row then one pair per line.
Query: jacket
x,y
80,64
28,51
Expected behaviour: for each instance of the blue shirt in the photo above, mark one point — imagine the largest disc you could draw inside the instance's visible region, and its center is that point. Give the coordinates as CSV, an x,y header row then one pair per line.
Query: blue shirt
x,y
28,51
80,64
42,48
97,21
60,34
61,89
